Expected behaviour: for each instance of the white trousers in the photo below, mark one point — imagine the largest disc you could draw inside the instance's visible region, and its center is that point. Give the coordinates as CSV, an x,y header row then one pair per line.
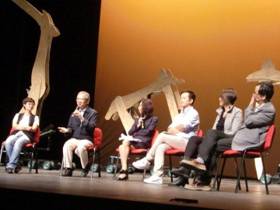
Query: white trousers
x,y
80,149
162,143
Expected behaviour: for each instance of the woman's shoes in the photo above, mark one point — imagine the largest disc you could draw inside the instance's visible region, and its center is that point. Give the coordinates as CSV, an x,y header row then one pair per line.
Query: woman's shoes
x,y
123,175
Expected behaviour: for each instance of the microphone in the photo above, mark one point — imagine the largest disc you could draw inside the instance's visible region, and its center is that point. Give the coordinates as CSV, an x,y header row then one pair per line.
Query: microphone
x,y
77,109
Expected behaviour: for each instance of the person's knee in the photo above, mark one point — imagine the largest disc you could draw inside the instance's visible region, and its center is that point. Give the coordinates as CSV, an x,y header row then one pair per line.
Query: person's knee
x,y
81,149
210,132
161,148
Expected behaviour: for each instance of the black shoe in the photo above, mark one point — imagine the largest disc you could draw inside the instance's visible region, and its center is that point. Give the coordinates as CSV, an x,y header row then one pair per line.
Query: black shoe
x,y
180,181
182,171
84,172
18,169
123,175
67,172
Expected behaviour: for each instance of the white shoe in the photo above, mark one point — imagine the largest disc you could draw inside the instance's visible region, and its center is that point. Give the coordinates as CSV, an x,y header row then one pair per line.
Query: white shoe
x,y
141,164
153,180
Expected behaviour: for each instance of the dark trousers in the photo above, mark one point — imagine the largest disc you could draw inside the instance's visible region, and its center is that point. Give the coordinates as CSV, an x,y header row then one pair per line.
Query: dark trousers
x,y
208,149
203,147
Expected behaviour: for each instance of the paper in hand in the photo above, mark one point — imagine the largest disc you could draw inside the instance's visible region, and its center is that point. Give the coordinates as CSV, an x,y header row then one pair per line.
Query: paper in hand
x,y
128,138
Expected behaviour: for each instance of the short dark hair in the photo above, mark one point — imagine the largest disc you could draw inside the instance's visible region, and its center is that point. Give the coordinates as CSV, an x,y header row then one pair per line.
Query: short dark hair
x,y
191,94
28,99
229,95
147,105
266,89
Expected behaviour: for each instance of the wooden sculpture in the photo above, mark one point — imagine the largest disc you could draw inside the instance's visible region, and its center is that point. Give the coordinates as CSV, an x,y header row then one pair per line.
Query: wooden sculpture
x,y
40,87
268,72
165,83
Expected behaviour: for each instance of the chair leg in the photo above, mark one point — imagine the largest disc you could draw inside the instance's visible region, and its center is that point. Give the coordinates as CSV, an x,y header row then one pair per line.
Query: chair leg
x,y
264,176
1,152
116,166
245,175
93,160
99,163
217,173
237,172
31,161
36,164
62,166
170,167
221,175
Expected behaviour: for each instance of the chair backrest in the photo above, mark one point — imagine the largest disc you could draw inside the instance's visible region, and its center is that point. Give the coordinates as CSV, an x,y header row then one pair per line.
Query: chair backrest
x,y
269,137
199,133
97,137
154,137
37,136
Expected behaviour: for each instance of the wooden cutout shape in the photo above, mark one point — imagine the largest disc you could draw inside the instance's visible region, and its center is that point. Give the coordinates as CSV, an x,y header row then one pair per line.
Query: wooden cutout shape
x,y
164,83
40,84
268,72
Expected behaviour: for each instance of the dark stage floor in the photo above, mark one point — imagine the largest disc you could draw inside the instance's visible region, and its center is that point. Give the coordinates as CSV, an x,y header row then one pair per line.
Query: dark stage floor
x,y
50,191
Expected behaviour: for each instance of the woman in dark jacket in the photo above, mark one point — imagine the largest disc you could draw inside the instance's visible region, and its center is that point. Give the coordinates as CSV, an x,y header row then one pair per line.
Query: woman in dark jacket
x,y
140,134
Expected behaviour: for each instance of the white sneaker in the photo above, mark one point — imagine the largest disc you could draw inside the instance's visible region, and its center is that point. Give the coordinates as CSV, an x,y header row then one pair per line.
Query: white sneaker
x,y
153,180
141,164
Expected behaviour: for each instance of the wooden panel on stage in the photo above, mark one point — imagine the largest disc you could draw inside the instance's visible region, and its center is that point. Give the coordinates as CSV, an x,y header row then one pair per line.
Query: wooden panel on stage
x,y
137,192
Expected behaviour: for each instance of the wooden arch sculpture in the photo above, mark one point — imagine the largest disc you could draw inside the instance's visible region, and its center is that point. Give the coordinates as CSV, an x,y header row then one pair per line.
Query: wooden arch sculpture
x,y
165,83
40,85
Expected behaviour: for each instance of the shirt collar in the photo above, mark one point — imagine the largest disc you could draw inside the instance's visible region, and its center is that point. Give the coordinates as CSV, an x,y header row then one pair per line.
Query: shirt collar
x,y
186,109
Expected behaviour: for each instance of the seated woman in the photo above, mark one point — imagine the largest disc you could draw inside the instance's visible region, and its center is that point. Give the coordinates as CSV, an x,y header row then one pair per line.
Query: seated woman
x,y
140,134
227,123
24,127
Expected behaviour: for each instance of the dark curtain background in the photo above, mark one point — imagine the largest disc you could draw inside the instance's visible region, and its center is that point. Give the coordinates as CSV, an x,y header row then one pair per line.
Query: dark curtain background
x,y
72,61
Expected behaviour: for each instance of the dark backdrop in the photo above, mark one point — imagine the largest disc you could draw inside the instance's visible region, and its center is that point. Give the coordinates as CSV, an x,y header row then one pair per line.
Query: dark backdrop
x,y
72,61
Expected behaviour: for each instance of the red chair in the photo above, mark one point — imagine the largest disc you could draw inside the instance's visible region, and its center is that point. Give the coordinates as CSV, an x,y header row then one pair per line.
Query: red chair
x,y
178,152
93,151
247,154
136,152
29,149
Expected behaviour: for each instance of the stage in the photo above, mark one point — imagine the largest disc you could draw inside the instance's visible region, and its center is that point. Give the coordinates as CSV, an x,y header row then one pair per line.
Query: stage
x,y
48,190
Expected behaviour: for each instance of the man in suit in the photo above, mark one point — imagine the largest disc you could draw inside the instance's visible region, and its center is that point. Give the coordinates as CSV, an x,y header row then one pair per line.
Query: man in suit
x,y
81,126
258,116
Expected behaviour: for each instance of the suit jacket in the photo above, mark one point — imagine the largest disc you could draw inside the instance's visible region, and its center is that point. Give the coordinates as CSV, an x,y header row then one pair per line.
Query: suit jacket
x,y
145,134
254,128
85,129
233,120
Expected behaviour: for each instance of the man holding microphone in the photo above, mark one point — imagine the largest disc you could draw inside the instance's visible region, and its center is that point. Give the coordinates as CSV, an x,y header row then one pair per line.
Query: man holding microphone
x,y
81,126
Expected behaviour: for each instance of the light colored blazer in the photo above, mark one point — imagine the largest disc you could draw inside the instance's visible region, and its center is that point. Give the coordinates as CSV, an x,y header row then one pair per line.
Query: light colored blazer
x,y
256,122
233,120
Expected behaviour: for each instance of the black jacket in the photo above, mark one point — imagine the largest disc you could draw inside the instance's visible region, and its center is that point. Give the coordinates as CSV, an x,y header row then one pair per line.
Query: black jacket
x,y
145,134
85,129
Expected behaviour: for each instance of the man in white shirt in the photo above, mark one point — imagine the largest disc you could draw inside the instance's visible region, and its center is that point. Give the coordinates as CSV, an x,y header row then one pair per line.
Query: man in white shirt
x,y
183,127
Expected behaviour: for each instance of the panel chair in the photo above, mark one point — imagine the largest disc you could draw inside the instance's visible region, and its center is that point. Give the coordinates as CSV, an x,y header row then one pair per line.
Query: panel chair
x,y
29,150
94,152
178,153
141,152
250,153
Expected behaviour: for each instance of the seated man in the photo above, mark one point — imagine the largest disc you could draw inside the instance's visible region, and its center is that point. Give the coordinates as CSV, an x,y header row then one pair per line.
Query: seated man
x,y
258,116
177,136
24,127
81,126
227,123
